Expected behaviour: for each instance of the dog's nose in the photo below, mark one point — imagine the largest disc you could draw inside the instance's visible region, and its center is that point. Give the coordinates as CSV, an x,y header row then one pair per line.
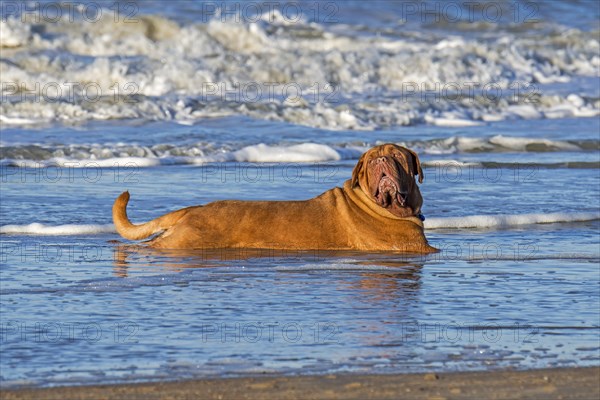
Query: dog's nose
x,y
380,160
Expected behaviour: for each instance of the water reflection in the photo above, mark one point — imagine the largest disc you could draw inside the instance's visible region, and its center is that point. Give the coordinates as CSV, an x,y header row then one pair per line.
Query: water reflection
x,y
132,255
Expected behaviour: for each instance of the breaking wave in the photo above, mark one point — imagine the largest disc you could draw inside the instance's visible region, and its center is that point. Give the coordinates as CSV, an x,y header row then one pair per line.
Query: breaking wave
x,y
306,73
111,155
36,229
507,221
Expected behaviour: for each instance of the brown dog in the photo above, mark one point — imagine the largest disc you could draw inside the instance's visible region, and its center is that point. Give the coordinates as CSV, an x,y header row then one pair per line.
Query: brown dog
x,y
378,209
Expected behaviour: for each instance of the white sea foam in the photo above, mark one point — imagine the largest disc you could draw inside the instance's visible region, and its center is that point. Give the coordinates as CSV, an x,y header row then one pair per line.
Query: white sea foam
x,y
56,230
469,221
170,65
451,122
306,152
450,164
506,221
17,120
13,33
521,144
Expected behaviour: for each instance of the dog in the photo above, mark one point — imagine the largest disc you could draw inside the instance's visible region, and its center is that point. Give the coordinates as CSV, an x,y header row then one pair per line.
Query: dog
x,y
378,209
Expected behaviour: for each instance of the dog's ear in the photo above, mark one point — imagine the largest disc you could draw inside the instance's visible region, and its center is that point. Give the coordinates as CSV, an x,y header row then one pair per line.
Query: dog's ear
x,y
416,165
358,170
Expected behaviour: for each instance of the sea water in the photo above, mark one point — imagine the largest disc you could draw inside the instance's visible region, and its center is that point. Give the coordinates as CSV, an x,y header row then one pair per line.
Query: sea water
x,y
184,103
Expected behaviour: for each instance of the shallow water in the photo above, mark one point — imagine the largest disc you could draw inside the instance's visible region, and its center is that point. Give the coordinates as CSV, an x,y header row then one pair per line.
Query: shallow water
x,y
511,197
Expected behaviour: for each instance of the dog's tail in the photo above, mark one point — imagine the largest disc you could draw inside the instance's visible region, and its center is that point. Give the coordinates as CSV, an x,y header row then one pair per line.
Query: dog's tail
x,y
136,232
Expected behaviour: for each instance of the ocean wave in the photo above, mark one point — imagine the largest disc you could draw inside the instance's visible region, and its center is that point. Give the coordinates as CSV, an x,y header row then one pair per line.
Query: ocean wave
x,y
143,156
306,73
507,221
123,155
501,143
36,229
469,221
342,113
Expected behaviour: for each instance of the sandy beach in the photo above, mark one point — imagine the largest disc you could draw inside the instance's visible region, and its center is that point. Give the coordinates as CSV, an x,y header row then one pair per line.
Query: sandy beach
x,y
560,383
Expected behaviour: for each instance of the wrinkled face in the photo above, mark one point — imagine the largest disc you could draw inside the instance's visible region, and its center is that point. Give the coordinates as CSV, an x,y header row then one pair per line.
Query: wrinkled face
x,y
386,174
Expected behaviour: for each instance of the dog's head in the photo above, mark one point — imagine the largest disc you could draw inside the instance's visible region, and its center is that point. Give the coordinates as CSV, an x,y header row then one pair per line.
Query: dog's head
x,y
386,174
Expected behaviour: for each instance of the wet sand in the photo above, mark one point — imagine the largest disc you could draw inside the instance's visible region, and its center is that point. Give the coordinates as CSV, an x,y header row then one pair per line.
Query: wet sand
x,y
560,383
